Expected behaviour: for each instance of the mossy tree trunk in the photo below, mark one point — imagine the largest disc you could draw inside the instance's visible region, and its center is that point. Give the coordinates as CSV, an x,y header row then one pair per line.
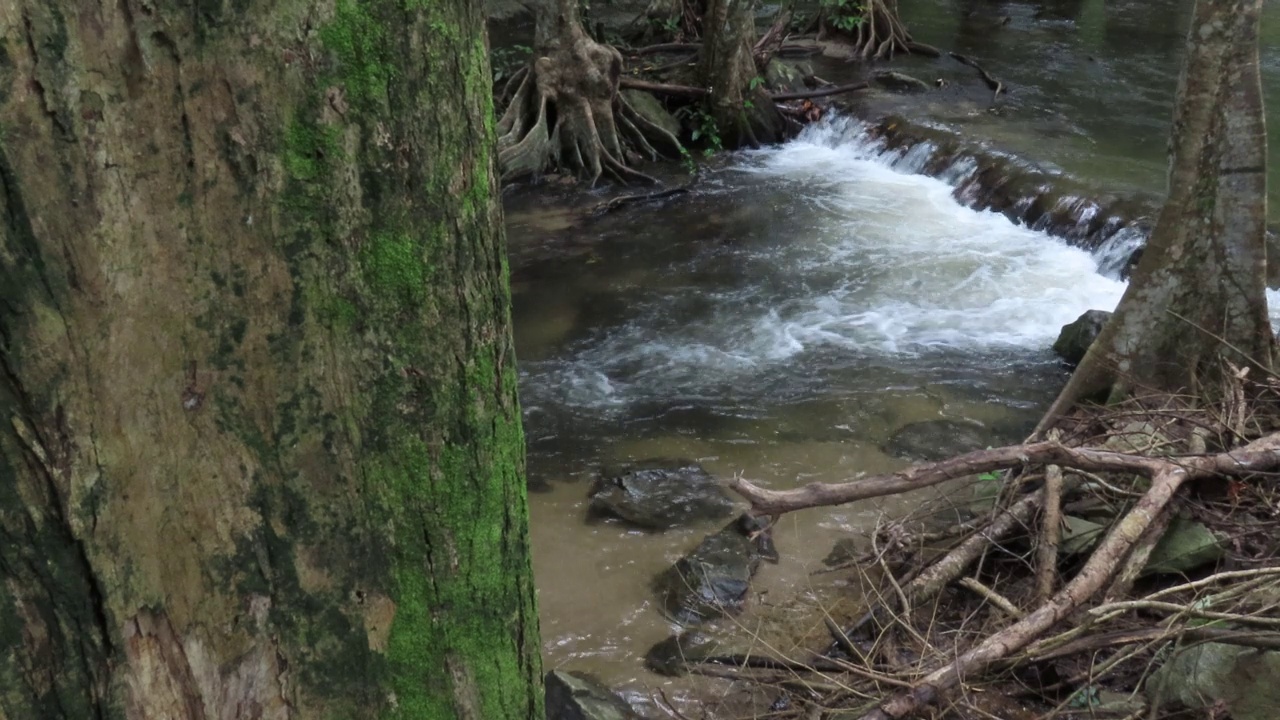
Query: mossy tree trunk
x,y
1198,293
738,103
260,448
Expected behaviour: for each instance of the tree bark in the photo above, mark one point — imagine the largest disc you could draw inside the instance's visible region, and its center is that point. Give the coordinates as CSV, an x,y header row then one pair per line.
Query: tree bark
x,y
1198,292
260,448
567,113
744,115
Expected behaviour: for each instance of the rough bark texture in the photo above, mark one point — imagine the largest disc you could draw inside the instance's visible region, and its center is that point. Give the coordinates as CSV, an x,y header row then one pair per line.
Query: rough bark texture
x,y
744,116
260,450
567,114
1199,290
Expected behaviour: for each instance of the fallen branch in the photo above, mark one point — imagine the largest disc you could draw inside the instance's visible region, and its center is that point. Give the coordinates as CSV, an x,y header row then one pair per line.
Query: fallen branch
x,y
938,575
1000,601
778,502
1226,636
1168,476
820,92
1050,534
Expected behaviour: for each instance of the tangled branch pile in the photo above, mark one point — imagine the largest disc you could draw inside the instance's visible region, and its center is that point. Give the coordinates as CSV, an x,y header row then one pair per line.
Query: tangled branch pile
x,y
1006,599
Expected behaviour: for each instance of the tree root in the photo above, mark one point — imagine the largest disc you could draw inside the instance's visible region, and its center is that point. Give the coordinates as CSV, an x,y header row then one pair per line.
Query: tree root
x,y
880,34
996,86
567,114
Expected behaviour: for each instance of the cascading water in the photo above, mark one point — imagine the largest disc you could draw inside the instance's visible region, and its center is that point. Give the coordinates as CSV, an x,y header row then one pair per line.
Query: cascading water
x,y
786,320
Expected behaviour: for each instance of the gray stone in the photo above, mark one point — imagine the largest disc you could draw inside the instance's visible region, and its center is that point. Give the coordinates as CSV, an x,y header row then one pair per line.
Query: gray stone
x,y
900,82
1245,681
652,110
713,580
1079,535
782,76
938,439
673,656
1076,337
578,696
1186,545
660,494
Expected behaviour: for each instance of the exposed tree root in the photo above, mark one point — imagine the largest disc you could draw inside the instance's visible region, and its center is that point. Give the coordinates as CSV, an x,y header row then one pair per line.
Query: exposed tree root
x,y
996,86
567,114
879,35
685,91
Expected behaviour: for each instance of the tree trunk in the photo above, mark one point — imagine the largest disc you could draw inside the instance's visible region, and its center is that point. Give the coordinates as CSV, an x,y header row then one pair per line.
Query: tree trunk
x,y
567,114
743,112
260,449
1198,292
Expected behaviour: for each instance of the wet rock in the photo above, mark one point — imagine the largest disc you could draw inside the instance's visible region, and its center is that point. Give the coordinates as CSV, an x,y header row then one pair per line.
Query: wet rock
x,y
845,550
782,76
713,580
1138,437
673,657
659,494
578,696
652,110
1076,337
900,82
1245,682
1079,535
1186,545
938,439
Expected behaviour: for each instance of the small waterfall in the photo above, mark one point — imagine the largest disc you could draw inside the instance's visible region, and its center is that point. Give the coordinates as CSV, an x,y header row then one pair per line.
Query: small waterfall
x,y
982,180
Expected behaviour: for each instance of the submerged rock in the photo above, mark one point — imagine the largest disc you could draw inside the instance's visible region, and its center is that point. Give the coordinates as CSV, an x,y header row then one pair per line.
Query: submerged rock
x,y
1076,337
578,696
900,82
1245,682
938,439
660,494
673,656
713,579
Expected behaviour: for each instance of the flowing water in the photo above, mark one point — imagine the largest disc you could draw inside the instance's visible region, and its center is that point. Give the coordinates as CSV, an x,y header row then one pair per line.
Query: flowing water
x,y
801,305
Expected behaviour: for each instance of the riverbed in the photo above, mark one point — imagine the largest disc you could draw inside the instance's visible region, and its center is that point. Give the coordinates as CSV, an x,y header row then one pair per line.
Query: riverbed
x,y
805,302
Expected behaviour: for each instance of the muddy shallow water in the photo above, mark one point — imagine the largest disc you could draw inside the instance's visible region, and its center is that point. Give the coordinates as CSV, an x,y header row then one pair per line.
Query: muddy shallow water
x,y
806,301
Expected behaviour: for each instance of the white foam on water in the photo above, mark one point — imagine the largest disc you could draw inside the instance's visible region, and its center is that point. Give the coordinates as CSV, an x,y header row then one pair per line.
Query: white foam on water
x,y
882,264
930,272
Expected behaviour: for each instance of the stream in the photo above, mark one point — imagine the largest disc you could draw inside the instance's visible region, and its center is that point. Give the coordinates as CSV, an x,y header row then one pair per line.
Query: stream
x,y
807,301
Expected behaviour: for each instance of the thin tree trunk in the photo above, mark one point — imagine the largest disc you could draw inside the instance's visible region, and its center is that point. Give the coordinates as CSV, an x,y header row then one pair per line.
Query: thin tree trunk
x,y
744,115
260,449
1198,292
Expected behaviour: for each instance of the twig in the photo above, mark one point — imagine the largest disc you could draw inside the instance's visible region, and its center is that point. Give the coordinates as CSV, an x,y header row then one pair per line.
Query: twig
x,y
1050,532
1000,601
1096,572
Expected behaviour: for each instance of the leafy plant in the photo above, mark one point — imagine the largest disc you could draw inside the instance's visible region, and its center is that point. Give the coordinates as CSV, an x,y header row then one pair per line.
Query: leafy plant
x,y
845,15
704,128
506,60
